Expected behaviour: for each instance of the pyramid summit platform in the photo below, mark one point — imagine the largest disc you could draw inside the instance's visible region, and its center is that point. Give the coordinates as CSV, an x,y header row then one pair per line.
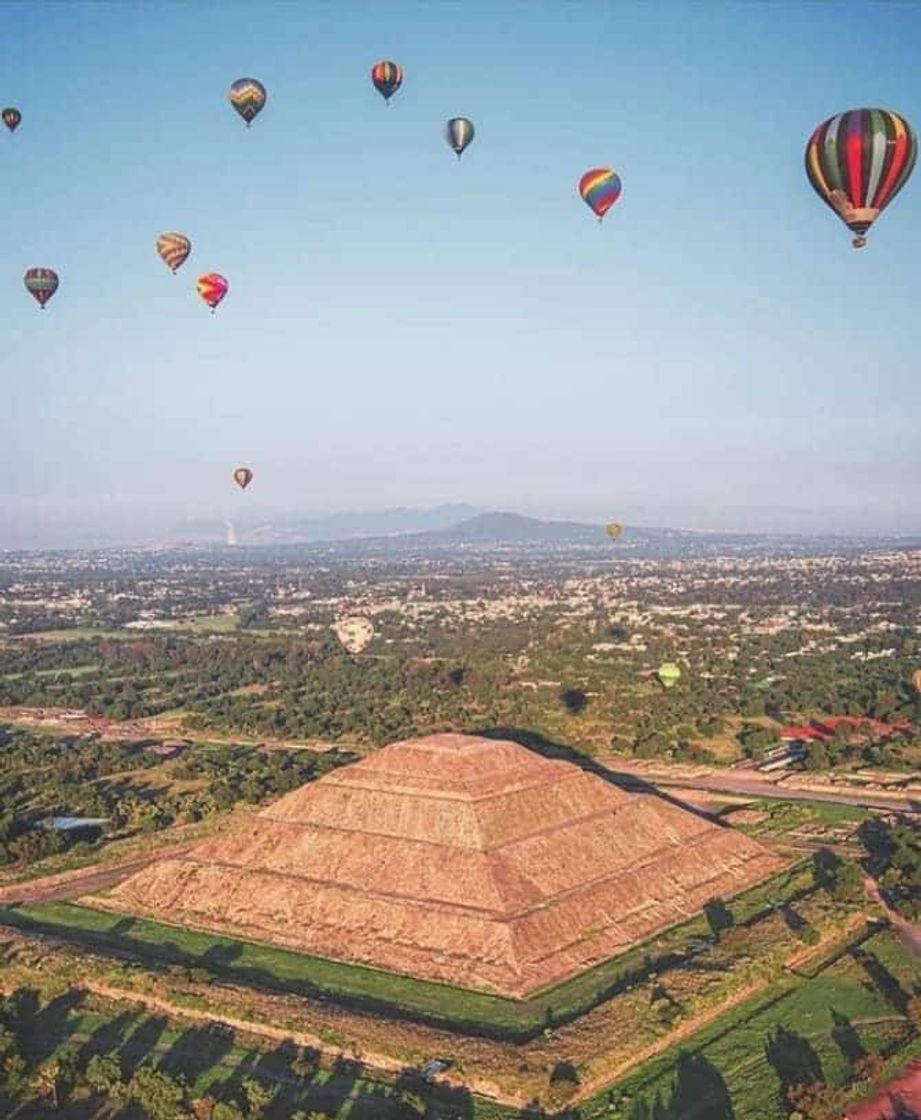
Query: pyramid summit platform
x,y
466,860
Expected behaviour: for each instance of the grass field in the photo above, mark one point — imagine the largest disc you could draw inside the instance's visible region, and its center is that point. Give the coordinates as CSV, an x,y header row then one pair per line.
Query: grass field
x,y
468,1011
807,1029
211,1061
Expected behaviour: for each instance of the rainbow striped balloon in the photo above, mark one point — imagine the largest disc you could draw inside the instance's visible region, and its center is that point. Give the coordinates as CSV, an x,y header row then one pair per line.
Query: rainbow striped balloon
x,y
600,188
212,287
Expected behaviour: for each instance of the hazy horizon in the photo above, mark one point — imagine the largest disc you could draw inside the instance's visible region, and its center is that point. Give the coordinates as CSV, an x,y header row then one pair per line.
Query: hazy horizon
x,y
406,330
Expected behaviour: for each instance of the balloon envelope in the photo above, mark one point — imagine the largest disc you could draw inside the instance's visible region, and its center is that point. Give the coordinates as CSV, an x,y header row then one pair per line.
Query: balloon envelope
x,y
11,118
212,287
613,529
387,78
173,248
248,97
669,674
354,633
858,161
243,476
41,283
458,133
600,189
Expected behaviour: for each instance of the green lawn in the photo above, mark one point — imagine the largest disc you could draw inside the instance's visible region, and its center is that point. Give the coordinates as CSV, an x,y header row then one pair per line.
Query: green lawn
x,y
478,1012
736,1065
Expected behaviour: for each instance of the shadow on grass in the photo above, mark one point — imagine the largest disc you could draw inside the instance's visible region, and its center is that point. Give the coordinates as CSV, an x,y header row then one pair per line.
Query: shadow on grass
x,y
698,1093
794,1059
882,979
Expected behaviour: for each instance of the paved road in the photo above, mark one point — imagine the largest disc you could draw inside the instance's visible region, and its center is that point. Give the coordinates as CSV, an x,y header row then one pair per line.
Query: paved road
x,y
86,880
731,781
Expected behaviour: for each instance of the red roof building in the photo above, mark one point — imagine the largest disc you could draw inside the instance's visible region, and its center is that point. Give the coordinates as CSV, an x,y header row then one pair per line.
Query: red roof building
x,y
821,731
900,1099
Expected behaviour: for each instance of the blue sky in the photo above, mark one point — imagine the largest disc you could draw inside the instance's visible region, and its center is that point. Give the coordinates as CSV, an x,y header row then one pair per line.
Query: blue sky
x,y
404,329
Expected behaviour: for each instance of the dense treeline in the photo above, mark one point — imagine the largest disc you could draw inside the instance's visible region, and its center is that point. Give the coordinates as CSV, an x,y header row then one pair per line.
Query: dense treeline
x,y
129,785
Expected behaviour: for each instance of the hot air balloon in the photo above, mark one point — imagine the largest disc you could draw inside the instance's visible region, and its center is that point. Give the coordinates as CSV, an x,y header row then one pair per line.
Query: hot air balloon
x,y
916,680
858,161
212,287
600,189
613,529
354,633
248,97
459,133
669,674
243,476
11,118
387,78
41,283
173,248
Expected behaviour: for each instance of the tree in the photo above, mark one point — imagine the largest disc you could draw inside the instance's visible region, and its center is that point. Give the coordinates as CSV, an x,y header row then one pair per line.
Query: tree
x,y
816,1101
103,1074
817,757
157,1093
52,1077
913,1012
256,1097
868,1067
12,1063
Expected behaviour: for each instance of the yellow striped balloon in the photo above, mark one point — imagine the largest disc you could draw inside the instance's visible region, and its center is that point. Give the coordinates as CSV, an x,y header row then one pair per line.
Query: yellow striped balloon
x,y
173,248
248,97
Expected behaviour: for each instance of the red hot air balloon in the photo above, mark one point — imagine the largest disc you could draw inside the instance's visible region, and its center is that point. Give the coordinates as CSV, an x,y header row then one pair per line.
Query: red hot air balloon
x,y
41,284
858,161
11,118
212,287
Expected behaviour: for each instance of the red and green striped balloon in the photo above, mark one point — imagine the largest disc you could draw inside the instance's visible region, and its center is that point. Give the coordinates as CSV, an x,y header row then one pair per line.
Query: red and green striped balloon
x,y
858,161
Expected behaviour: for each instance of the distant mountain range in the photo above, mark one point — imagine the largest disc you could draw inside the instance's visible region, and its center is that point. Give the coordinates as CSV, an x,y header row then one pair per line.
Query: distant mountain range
x,y
460,526
334,526
512,528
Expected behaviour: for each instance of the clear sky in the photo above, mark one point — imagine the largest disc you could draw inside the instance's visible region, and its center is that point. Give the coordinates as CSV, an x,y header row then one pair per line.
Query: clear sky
x,y
404,329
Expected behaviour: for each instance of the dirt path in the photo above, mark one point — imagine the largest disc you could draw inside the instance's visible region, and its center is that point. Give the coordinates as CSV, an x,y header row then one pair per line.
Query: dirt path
x,y
381,1063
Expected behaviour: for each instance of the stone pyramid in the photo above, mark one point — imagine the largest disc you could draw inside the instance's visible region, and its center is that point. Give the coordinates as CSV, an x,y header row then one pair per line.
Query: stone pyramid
x,y
454,858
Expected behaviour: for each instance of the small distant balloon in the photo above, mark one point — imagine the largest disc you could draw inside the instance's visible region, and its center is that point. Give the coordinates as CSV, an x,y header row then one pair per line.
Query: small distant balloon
x,y
669,674
600,189
212,287
387,78
248,97
243,476
354,633
11,118
858,161
41,284
613,529
173,248
458,134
